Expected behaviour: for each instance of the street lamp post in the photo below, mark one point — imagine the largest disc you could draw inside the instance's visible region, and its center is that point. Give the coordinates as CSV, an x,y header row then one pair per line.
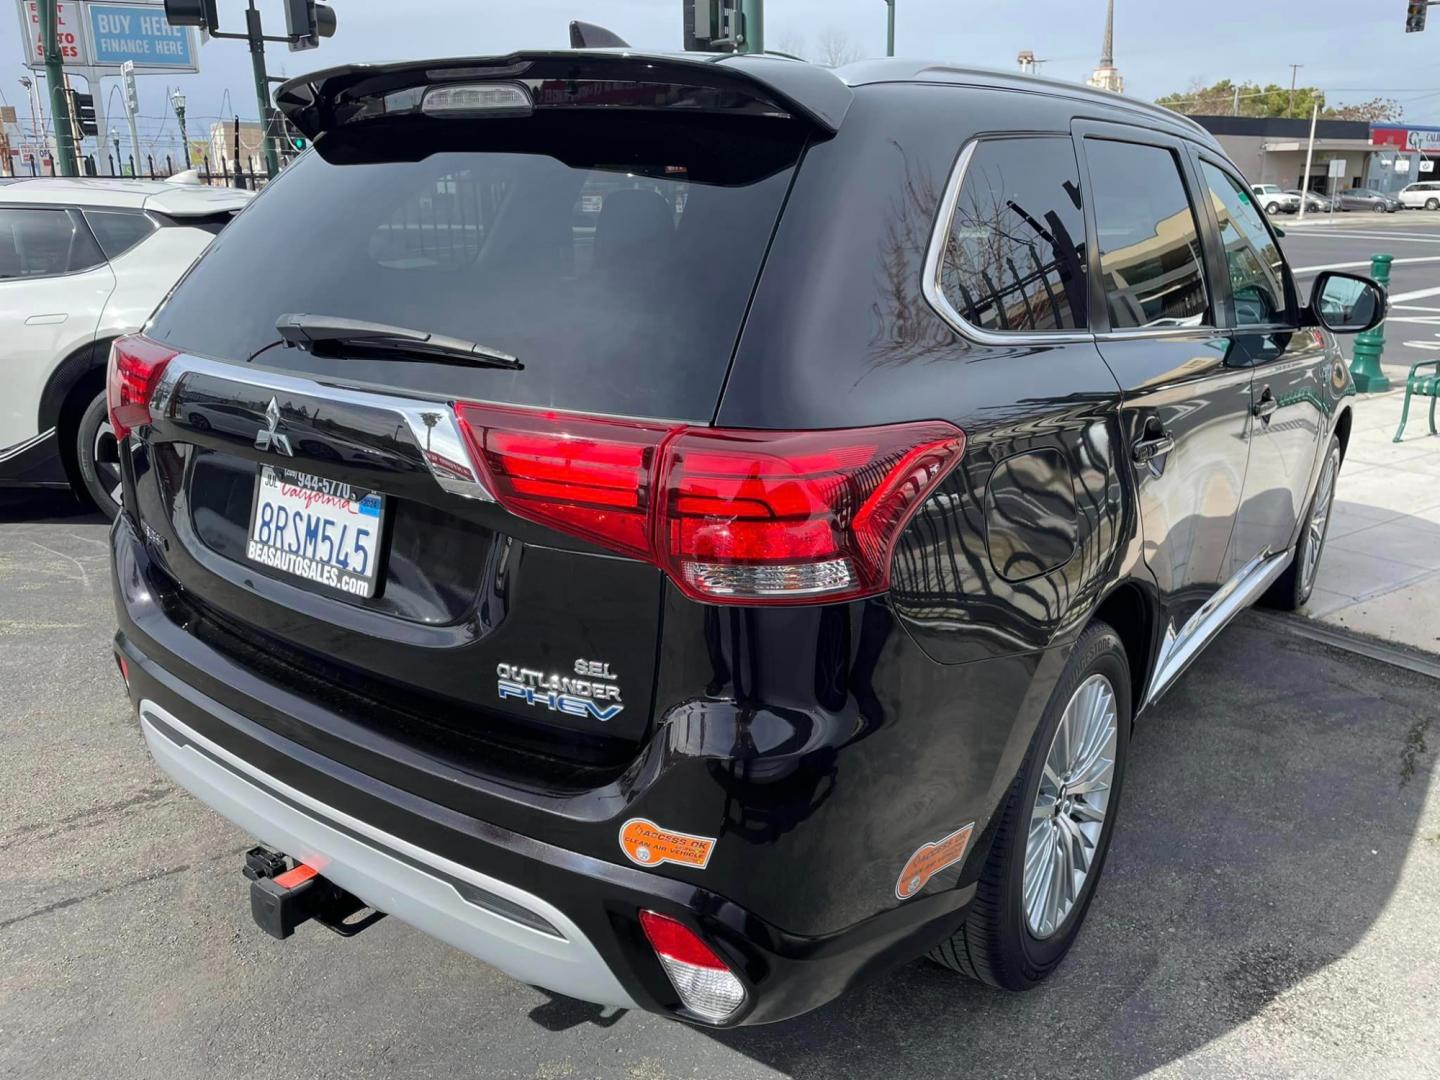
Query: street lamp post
x,y
177,99
890,28
115,138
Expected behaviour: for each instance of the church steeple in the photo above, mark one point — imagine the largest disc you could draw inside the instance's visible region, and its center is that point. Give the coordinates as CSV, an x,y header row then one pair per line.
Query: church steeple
x,y
1106,77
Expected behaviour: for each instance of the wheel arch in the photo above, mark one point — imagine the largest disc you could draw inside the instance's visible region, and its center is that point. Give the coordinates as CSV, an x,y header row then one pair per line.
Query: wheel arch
x,y
72,384
1343,423
1130,610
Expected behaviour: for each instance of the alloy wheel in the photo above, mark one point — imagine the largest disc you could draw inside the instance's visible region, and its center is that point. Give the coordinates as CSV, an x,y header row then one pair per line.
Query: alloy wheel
x,y
105,456
1319,522
1068,815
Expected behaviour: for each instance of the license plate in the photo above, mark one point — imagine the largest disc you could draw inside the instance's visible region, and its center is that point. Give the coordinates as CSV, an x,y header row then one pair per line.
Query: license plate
x,y
321,530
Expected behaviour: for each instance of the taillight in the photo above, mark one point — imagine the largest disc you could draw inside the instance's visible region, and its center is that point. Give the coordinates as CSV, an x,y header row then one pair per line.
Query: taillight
x,y
136,364
704,982
733,516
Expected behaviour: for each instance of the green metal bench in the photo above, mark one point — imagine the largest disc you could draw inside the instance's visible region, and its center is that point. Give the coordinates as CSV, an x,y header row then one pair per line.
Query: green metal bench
x,y
1425,386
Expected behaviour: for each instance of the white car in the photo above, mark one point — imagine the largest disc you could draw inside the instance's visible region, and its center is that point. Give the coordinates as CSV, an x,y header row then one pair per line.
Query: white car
x,y
83,261
1424,195
1275,200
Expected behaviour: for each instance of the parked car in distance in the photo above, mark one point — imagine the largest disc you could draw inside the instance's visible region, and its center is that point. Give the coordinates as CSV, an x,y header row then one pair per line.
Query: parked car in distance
x,y
1274,200
652,545
1315,203
1424,195
1364,199
83,261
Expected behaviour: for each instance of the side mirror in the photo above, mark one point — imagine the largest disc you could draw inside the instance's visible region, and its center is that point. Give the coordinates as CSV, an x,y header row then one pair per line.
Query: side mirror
x,y
1346,303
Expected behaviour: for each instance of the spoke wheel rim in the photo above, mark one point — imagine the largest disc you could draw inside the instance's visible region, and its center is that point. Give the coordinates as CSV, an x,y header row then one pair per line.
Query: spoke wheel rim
x,y
1319,522
1067,818
103,452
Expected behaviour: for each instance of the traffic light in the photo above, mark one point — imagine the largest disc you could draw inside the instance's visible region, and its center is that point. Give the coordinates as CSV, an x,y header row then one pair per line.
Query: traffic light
x,y
713,26
199,13
1415,16
82,112
306,22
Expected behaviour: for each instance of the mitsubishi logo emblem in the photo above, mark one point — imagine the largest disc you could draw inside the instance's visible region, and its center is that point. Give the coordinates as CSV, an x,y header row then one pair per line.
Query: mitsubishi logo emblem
x,y
269,437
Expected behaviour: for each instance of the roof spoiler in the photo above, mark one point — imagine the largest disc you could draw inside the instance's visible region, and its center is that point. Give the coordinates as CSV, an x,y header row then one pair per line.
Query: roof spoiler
x,y
324,100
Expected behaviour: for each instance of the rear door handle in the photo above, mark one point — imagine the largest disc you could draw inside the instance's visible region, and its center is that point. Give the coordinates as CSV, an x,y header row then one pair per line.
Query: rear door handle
x,y
1157,442
1266,406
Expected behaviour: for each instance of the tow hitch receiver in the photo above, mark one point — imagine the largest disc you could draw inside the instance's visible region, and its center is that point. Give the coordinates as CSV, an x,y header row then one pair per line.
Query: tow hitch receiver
x,y
283,896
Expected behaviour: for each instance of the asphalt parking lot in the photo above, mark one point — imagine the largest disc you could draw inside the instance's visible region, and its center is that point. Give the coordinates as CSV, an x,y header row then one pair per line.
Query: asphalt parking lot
x,y
1269,908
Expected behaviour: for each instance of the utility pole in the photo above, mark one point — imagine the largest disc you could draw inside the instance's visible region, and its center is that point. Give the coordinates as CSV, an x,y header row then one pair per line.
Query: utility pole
x,y
55,80
131,98
753,19
1294,73
890,29
1309,159
262,87
1235,107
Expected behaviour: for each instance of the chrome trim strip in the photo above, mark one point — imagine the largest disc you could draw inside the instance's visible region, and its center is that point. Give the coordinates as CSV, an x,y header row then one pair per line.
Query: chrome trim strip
x,y
25,444
1179,650
414,885
935,257
431,421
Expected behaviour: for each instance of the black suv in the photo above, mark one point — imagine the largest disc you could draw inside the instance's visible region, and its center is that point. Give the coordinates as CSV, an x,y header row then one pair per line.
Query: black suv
x,y
697,532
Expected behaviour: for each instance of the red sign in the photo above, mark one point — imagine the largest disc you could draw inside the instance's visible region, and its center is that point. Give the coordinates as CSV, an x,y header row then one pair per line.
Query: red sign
x,y
67,33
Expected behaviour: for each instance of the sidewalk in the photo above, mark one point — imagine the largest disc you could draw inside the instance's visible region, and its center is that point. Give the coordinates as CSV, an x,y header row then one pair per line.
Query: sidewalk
x,y
1380,571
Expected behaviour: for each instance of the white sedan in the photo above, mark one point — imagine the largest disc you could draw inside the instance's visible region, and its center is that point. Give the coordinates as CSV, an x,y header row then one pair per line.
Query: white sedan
x,y
83,261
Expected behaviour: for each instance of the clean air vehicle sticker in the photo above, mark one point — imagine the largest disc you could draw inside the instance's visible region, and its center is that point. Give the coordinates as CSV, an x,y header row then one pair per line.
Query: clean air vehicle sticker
x,y
930,859
647,844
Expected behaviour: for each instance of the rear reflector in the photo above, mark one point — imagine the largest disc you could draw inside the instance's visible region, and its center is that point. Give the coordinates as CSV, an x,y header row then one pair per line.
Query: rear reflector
x,y
705,984
754,517
136,364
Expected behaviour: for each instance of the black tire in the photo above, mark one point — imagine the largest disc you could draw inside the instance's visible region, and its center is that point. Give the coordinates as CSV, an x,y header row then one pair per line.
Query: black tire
x,y
1432,204
1293,588
995,944
97,458
1381,208
1272,208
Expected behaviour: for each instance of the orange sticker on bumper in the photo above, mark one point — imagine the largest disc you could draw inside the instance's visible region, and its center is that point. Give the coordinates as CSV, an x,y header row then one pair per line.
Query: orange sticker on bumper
x,y
647,844
930,859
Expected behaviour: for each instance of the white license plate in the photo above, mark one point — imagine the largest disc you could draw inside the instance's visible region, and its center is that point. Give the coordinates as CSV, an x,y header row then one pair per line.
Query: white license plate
x,y
321,530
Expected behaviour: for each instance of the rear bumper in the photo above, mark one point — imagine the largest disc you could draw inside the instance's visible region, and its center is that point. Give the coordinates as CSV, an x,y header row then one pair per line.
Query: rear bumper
x,y
542,911
521,934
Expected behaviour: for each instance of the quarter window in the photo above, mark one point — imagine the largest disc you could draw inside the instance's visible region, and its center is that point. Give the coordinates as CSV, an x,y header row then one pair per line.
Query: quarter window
x,y
118,231
1015,254
1150,260
1257,274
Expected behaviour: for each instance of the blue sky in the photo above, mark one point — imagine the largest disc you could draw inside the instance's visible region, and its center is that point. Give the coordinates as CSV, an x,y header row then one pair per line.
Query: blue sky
x,y
1355,49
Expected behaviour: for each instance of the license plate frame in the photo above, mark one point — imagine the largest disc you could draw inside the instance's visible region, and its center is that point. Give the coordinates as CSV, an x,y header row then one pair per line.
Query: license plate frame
x,y
322,500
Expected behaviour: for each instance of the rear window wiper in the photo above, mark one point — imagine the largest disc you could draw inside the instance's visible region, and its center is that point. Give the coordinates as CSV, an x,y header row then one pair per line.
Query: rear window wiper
x,y
372,339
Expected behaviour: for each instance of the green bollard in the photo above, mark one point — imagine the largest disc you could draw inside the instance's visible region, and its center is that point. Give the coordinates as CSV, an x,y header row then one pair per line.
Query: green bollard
x,y
1365,367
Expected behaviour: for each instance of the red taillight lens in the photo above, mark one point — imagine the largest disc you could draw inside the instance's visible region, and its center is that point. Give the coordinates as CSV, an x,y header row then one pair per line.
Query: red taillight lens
x,y
775,515
672,938
585,476
136,364
732,516
705,983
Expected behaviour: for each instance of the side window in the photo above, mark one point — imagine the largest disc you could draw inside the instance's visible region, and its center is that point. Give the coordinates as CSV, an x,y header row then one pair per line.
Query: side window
x,y
1015,254
1150,259
42,243
1257,272
118,231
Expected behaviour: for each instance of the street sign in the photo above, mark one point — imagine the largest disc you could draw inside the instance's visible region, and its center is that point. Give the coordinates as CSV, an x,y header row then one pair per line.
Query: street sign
x,y
1402,164
140,34
1338,167
7,115
69,31
127,86
1428,165
96,34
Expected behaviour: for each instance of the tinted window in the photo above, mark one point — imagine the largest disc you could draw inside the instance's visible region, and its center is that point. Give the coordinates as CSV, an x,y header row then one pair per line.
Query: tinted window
x,y
1015,256
38,243
118,231
614,255
1257,276
1149,243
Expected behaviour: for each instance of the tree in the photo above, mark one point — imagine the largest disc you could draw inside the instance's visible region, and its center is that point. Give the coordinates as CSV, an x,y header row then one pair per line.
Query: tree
x,y
792,43
836,48
1219,99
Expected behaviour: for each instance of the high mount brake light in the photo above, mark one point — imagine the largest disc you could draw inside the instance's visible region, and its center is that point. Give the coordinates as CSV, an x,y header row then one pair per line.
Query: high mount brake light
x,y
705,983
741,517
135,366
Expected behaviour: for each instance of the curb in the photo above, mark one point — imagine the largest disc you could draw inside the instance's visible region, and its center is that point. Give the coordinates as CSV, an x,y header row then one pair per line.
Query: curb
x,y
1385,652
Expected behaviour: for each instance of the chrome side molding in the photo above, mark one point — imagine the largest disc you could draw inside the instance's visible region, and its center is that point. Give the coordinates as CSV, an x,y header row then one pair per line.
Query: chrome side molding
x,y
431,422
1179,650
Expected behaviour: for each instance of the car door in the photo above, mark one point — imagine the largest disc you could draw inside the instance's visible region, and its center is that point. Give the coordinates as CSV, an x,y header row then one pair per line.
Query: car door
x,y
1185,411
54,282
1288,365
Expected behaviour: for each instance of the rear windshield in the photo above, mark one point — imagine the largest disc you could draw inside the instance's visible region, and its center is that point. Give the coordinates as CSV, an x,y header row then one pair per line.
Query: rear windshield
x,y
614,255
